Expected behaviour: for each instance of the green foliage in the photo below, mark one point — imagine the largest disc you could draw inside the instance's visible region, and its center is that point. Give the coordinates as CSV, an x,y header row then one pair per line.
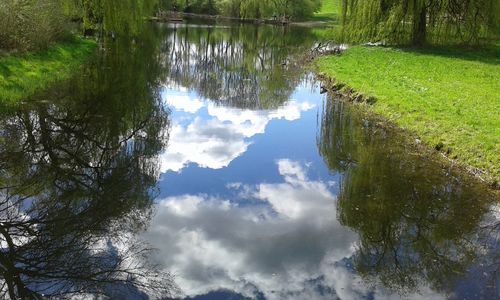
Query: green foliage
x,y
36,24
256,9
119,16
195,6
230,8
31,25
447,96
297,9
22,75
420,21
294,9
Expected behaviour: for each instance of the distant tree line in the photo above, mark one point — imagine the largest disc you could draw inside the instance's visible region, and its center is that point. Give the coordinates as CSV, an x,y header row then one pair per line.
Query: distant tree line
x,y
27,25
292,9
35,24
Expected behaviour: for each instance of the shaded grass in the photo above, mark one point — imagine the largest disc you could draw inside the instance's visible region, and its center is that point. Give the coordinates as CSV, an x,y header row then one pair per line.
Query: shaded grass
x,y
449,97
22,75
329,12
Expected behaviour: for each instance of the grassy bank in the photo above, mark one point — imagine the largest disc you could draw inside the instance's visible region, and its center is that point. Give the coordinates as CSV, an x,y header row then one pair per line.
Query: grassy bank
x,y
449,97
329,12
22,75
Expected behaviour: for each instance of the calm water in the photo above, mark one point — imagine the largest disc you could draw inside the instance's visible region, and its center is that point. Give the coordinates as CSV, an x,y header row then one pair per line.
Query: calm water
x,y
202,162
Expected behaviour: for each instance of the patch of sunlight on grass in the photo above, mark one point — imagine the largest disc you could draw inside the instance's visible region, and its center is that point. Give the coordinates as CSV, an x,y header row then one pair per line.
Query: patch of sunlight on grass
x,y
22,75
444,95
330,11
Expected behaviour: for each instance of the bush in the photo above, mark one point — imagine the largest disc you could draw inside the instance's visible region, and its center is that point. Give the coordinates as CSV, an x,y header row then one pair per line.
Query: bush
x,y
31,24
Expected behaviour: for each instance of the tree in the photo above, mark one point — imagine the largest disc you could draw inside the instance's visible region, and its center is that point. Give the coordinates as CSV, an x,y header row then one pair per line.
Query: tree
x,y
119,16
417,22
255,9
35,24
296,9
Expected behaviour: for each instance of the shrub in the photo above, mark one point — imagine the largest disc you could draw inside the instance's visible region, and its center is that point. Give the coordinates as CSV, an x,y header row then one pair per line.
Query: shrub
x,y
31,24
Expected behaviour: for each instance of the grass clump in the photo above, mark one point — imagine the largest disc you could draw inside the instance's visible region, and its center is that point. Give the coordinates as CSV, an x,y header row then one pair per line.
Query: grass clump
x,y
449,97
21,75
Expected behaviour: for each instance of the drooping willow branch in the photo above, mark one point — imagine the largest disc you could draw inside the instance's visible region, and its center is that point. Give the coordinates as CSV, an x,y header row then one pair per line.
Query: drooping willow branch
x,y
421,21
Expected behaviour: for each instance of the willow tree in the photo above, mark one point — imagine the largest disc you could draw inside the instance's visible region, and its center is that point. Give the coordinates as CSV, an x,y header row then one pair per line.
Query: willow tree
x,y
296,9
256,9
120,16
420,21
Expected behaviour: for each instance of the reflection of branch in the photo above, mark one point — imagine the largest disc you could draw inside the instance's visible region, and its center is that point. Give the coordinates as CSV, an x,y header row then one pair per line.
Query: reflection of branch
x,y
53,219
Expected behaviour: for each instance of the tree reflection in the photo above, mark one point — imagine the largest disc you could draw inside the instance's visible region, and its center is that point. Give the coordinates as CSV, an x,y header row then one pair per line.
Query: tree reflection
x,y
419,223
254,67
77,178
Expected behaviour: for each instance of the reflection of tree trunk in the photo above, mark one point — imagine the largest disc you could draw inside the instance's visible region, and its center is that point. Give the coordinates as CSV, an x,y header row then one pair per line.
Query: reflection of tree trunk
x,y
29,131
45,138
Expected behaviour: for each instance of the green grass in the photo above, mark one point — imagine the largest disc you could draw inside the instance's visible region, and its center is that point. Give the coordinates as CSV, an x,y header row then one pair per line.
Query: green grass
x,y
22,75
329,12
448,96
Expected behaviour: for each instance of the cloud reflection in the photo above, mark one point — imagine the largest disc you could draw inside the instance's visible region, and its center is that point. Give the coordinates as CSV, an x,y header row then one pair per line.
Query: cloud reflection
x,y
216,139
184,103
281,240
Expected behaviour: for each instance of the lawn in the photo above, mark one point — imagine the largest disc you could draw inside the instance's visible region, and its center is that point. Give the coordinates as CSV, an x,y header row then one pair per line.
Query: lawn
x,y
22,75
448,97
329,12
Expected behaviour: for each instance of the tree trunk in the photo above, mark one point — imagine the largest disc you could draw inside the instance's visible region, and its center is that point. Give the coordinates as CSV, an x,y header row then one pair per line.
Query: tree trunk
x,y
420,27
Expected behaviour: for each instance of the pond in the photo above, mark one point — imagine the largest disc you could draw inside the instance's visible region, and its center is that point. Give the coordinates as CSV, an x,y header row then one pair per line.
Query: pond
x,y
203,162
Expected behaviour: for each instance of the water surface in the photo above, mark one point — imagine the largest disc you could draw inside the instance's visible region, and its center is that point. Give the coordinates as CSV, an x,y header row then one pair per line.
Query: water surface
x,y
213,146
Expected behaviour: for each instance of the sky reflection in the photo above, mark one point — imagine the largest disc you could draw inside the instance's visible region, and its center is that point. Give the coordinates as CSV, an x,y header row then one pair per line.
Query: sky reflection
x,y
287,244
237,212
212,136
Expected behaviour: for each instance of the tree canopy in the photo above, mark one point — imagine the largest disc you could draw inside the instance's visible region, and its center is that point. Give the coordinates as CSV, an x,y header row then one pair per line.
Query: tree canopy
x,y
420,21
121,16
295,9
